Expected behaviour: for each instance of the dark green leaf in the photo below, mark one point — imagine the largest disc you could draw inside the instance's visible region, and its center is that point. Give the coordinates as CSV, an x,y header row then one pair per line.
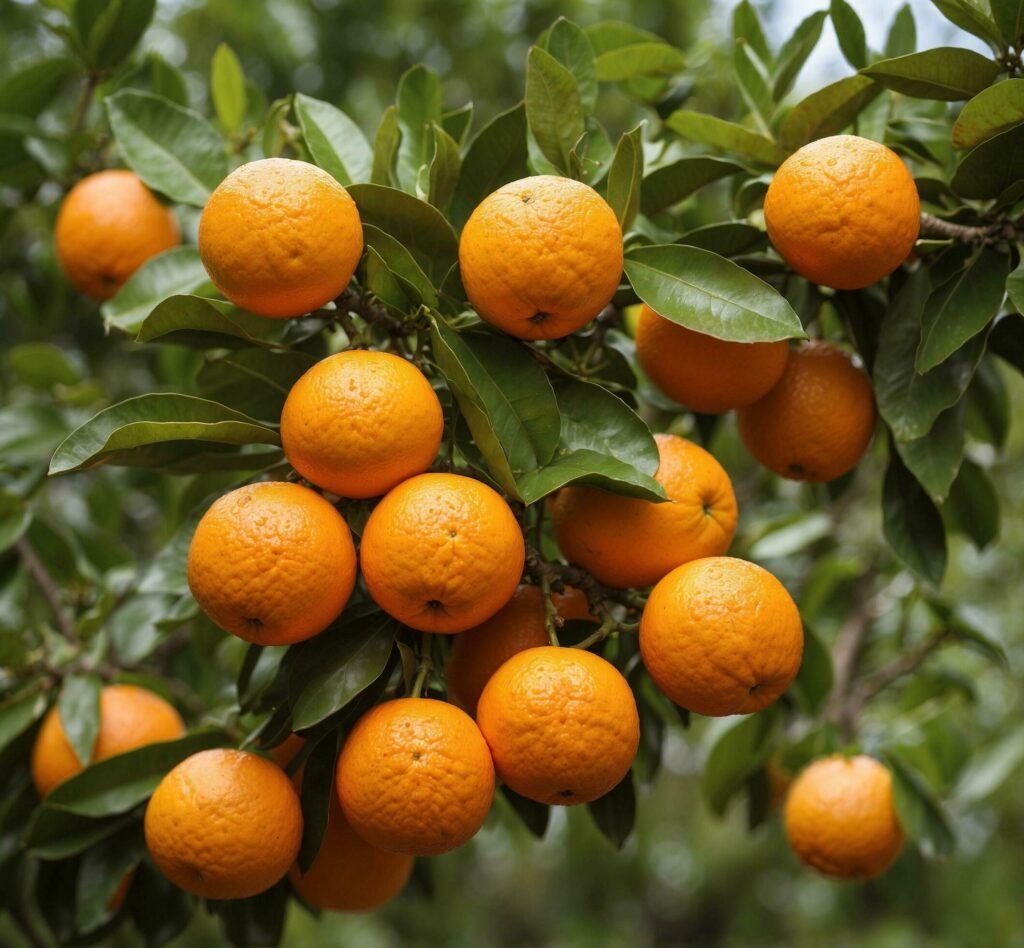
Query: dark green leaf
x,y
570,46
172,149
1007,339
159,909
318,788
991,111
670,184
918,809
335,142
419,105
912,523
42,365
554,110
102,870
385,148
18,714
457,122
828,111
850,33
79,705
54,834
415,283
1015,288
991,167
166,81
336,666
1009,17
535,816
968,15
227,88
741,751
947,73
935,459
728,239
112,436
615,812
746,26
28,91
443,169
710,294
902,38
109,29
624,177
815,678
718,133
973,505
795,51
204,324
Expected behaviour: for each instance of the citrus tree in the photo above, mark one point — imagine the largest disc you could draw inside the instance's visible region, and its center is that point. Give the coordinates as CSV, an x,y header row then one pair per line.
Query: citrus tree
x,y
438,525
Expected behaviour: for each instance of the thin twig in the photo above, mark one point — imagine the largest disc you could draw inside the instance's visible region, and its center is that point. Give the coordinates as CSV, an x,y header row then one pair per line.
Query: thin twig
x,y
47,586
552,620
846,657
979,235
426,640
91,82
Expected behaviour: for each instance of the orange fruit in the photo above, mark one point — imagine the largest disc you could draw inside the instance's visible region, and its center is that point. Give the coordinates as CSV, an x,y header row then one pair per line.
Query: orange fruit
x,y
702,372
280,237
478,653
109,225
348,874
224,824
358,423
415,777
626,542
840,817
561,723
541,257
721,636
130,717
272,563
843,211
442,552
816,424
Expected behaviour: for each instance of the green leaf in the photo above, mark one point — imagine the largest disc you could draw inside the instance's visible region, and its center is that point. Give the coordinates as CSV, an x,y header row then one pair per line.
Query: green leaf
x,y
910,402
991,111
753,80
728,239
198,322
672,183
257,920
850,33
535,816
54,834
567,43
741,751
18,714
991,167
935,459
334,141
402,264
443,170
746,26
912,523
109,29
79,705
172,149
973,504
160,911
815,678
1009,17
166,81
615,812
554,110
947,73
42,365
418,226
30,90
176,271
709,294
960,308
227,88
968,15
717,133
795,52
1015,287
990,768
101,872
15,518
918,809
419,105
902,38
457,122
117,784
639,60
318,788
335,667
625,175
385,148
496,156
505,397
828,111
116,434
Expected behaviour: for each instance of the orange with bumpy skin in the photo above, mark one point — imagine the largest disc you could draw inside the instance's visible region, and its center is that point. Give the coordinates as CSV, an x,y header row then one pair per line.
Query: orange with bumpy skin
x,y
415,777
130,717
702,372
843,211
816,424
109,225
272,563
358,423
348,874
280,237
478,653
541,257
442,553
840,817
721,636
224,824
626,542
561,723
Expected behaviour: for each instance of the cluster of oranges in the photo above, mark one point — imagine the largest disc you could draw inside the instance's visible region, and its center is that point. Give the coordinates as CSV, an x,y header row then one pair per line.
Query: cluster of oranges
x,y
275,563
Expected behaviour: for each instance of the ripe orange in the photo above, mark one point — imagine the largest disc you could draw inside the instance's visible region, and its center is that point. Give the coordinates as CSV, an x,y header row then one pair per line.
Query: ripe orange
x,y
224,824
478,653
415,777
348,874
561,723
626,542
721,636
130,717
816,424
840,817
272,563
442,552
358,423
109,225
280,237
843,211
702,372
541,257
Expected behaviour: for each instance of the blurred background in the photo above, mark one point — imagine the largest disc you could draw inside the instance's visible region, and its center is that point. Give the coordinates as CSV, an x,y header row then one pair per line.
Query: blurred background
x,y
684,878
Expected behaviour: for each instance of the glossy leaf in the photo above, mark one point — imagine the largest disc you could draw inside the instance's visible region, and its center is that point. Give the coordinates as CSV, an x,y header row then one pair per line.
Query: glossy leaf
x,y
55,834
615,812
828,111
902,38
402,264
969,16
710,294
935,459
947,73
850,33
204,324
385,148
109,29
159,909
227,87
443,169
535,816
718,133
101,872
728,239
554,109
1009,18
625,175
1015,287
918,808
317,791
993,166
79,706
567,43
741,751
912,523
672,183
419,103
991,111
973,504
335,142
795,52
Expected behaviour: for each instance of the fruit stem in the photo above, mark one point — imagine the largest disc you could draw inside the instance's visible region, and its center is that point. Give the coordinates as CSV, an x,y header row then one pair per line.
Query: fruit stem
x,y
607,626
551,618
426,643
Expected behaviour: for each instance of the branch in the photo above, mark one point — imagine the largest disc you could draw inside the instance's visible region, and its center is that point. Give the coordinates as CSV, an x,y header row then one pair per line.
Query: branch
x,y
91,82
981,235
47,586
846,656
352,302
